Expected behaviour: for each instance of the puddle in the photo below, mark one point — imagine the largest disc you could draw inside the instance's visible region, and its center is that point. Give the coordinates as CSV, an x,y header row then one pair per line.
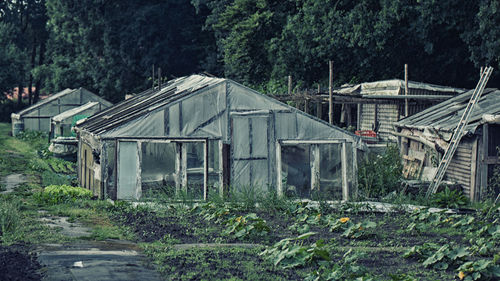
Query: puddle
x,y
70,229
12,181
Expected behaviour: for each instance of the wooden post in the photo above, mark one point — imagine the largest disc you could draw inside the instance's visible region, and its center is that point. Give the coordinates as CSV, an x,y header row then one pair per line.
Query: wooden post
x,y
279,179
319,104
484,167
345,184
330,93
205,169
289,84
358,117
315,168
153,77
406,89
159,78
306,105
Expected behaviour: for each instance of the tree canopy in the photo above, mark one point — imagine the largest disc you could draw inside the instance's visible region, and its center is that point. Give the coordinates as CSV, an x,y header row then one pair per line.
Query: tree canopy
x,y
111,47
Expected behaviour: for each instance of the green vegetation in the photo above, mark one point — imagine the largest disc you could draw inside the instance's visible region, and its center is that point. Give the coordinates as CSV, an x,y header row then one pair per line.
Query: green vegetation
x,y
55,194
111,47
378,175
237,239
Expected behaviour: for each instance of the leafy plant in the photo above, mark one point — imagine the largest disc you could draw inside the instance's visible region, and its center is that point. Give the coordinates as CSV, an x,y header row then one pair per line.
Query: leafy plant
x,y
291,253
482,269
344,269
350,229
449,198
55,194
245,226
438,257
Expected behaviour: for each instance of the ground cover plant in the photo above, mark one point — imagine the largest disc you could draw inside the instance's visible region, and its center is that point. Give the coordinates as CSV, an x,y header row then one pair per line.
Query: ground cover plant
x,y
45,191
250,236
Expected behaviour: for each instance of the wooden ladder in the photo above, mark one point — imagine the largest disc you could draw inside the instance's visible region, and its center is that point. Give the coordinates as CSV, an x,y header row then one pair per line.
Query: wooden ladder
x,y
459,131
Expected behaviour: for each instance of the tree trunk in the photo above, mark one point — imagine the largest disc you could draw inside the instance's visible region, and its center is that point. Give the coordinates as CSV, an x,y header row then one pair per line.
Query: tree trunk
x,y
20,91
30,85
39,81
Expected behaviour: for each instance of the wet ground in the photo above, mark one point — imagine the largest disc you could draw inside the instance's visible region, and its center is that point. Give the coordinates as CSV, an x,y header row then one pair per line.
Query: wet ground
x,y
91,260
95,260
12,181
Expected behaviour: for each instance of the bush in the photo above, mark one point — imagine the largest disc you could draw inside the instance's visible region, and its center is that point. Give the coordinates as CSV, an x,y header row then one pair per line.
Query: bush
x,y
379,175
55,194
449,199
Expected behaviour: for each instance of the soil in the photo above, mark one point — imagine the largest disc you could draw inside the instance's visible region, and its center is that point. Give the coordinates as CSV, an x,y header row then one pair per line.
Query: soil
x,y
191,228
17,263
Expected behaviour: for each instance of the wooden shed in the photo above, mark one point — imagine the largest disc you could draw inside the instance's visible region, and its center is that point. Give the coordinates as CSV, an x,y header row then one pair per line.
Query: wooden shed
x,y
382,103
38,116
423,138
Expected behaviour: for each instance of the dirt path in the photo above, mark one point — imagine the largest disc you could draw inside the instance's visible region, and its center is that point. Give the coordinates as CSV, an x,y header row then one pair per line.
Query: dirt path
x,y
110,260
12,181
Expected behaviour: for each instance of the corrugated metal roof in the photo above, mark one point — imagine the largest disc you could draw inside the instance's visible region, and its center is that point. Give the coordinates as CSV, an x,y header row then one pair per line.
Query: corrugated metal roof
x,y
396,87
74,111
446,115
145,102
47,100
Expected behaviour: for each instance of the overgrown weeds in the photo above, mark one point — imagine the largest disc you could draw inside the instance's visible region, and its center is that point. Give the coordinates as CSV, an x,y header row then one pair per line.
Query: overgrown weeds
x,y
379,175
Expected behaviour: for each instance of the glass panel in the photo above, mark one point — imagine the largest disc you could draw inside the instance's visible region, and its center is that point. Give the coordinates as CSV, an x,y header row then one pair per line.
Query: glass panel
x,y
330,171
195,159
259,136
127,170
213,166
296,170
158,168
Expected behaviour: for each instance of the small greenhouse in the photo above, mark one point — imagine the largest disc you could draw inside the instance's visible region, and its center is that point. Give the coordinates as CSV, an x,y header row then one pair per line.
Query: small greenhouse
x,y
62,123
200,135
38,116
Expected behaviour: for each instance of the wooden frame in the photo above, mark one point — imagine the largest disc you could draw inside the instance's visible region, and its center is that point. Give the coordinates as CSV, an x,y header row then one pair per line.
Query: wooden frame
x,y
181,179
315,163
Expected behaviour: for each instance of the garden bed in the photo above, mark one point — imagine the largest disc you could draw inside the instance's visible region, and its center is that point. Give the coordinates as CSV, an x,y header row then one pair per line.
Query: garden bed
x,y
382,246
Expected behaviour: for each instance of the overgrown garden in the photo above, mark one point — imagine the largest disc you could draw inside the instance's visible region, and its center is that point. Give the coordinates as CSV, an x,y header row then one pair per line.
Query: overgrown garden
x,y
237,239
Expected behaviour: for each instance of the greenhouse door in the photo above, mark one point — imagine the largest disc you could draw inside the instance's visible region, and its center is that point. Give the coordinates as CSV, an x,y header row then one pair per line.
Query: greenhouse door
x,y
128,186
250,150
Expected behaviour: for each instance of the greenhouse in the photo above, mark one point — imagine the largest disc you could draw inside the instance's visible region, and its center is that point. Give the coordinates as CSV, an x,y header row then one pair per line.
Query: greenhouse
x,y
199,135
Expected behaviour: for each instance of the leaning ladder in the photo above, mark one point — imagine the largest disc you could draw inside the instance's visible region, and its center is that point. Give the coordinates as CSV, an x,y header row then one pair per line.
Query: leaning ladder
x,y
457,134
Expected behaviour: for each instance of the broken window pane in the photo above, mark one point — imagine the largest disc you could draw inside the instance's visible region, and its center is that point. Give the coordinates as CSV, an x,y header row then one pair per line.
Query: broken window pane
x,y
158,168
296,170
330,171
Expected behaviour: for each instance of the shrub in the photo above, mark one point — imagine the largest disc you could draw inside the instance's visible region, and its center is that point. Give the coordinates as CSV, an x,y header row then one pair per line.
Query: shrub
x,y
449,198
379,175
55,194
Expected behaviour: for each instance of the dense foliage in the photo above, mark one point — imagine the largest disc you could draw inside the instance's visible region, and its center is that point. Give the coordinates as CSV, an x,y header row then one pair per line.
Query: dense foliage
x,y
111,47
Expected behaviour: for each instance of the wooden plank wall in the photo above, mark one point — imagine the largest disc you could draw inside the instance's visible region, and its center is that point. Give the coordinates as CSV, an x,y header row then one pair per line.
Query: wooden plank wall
x,y
87,177
385,114
461,168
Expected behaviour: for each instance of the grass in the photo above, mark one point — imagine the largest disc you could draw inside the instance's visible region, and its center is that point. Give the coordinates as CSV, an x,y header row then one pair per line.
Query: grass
x,y
351,251
19,210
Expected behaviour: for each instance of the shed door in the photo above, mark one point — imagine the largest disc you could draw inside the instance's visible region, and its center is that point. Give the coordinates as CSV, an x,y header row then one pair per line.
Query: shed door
x,y
250,151
128,171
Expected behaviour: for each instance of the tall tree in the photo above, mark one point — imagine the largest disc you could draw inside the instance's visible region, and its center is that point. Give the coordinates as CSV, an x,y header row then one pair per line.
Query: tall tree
x,y
27,21
114,44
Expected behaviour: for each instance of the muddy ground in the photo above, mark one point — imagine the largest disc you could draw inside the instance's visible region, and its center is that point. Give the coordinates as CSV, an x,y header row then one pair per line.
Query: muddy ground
x,y
17,263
